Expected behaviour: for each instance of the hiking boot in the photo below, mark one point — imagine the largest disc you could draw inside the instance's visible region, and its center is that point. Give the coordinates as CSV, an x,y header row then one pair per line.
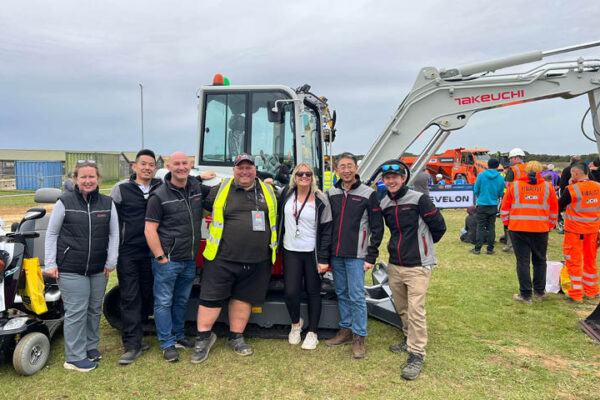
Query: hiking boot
x,y
413,366
400,347
310,341
202,348
342,337
358,346
522,299
170,354
490,252
572,300
475,251
294,335
94,355
184,343
84,365
129,356
508,249
540,297
240,347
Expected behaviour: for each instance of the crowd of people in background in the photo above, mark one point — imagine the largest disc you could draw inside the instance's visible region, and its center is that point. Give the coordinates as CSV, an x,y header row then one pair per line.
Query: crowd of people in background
x,y
533,198
150,230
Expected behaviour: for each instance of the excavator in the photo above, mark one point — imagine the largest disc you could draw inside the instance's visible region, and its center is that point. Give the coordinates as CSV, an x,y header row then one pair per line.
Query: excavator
x,y
282,127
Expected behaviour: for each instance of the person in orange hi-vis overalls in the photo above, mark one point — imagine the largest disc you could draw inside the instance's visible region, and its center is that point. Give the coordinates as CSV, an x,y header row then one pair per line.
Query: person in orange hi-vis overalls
x,y
581,199
530,210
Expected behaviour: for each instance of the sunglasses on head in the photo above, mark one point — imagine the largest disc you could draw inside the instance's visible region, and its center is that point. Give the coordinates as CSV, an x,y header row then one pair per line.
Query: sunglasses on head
x,y
304,173
391,167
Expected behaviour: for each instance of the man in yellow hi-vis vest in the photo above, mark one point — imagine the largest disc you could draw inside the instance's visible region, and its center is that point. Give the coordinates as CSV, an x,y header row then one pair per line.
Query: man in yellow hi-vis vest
x,y
239,254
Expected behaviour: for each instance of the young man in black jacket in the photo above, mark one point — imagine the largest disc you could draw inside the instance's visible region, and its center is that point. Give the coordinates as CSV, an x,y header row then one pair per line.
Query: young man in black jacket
x,y
415,224
357,234
134,265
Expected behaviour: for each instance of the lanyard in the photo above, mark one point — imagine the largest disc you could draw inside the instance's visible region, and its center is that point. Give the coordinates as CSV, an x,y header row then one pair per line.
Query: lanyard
x,y
297,216
255,197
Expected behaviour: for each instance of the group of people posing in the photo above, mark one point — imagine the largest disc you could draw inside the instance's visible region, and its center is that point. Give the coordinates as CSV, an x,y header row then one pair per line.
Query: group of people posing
x,y
529,209
150,231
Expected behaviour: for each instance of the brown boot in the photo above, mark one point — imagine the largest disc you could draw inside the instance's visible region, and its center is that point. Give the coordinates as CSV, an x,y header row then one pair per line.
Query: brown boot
x,y
343,336
358,346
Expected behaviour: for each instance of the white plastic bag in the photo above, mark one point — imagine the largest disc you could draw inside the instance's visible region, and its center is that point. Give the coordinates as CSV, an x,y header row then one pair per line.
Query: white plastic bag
x,y
553,276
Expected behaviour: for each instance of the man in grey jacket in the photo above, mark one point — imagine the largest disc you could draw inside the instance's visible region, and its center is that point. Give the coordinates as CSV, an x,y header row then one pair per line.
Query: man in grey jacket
x,y
421,182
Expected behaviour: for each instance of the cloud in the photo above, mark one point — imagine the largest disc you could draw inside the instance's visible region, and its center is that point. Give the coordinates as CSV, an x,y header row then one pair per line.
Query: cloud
x,y
71,70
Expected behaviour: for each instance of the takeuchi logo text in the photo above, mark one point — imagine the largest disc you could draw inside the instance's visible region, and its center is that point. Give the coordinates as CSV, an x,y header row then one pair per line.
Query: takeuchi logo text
x,y
485,98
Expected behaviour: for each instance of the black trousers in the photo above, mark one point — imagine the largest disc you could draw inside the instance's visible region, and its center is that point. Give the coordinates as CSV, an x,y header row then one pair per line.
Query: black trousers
x,y
137,299
486,226
300,270
530,246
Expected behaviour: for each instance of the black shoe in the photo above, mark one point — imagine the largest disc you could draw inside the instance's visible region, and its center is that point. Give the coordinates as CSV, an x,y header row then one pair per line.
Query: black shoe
x,y
129,357
184,344
413,366
145,346
202,348
240,347
475,251
399,348
490,252
170,354
94,355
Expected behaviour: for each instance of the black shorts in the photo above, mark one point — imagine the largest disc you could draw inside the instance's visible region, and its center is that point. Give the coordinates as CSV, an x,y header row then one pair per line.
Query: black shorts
x,y
223,279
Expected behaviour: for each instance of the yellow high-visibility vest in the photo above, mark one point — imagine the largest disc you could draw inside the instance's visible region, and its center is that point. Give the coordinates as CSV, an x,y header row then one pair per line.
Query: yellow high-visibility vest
x,y
218,221
327,180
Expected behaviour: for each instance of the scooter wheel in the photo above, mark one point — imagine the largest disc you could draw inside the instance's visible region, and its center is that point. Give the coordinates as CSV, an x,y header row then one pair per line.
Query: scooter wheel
x,y
31,353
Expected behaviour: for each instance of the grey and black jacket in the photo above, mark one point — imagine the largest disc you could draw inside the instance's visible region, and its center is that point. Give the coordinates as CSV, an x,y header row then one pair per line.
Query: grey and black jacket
x,y
415,225
324,224
357,222
131,203
84,235
179,229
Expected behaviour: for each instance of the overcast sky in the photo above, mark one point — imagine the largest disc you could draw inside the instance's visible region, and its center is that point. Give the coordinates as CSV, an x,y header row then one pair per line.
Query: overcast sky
x,y
69,70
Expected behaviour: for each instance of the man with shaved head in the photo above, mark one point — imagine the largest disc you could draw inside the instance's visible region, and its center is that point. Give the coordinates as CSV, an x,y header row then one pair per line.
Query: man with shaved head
x,y
173,230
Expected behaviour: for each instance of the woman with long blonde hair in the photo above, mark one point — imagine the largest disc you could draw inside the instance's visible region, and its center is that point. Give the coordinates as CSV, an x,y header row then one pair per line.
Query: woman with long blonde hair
x,y
305,233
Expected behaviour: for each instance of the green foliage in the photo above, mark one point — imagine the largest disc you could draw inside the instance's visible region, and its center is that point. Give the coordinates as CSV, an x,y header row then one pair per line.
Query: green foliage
x,y
482,345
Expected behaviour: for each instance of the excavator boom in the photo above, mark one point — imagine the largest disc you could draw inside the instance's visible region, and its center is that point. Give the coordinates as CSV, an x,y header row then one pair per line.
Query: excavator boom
x,y
448,99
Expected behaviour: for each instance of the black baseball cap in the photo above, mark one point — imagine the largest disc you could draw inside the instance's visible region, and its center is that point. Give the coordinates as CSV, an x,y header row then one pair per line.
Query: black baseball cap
x,y
243,157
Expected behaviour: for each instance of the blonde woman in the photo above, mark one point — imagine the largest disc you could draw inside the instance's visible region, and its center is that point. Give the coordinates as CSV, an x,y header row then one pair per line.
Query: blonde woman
x,y
82,244
305,231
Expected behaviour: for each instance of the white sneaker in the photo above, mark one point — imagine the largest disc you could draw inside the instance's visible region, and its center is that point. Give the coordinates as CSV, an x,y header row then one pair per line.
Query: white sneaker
x,y
310,341
294,336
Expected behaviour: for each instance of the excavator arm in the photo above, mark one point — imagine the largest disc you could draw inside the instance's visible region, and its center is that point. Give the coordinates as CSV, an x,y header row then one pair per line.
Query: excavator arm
x,y
448,99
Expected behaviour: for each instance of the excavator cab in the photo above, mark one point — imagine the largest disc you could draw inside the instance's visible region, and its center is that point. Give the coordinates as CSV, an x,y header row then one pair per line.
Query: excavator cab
x,y
279,126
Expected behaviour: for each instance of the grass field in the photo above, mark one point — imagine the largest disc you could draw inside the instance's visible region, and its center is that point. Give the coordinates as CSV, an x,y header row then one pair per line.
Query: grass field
x,y
482,345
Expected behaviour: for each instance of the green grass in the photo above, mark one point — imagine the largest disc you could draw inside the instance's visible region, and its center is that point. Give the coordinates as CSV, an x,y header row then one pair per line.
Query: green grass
x,y
482,345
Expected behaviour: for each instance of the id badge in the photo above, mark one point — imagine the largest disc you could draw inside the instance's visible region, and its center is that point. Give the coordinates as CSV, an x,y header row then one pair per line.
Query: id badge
x,y
258,221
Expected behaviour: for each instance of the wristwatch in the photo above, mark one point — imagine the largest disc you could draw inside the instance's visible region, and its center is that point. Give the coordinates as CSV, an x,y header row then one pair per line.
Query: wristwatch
x,y
160,258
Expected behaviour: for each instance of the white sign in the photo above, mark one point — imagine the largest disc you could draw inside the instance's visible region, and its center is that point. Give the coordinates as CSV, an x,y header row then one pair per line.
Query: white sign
x,y
452,196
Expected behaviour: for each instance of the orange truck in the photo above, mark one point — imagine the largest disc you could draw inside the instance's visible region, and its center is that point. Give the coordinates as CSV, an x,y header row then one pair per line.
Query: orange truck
x,y
456,163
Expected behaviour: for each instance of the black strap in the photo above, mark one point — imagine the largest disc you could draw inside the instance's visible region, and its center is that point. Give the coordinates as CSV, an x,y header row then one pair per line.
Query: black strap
x,y
297,216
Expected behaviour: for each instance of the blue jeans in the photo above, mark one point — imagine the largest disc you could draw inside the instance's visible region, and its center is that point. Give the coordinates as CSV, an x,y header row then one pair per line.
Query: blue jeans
x,y
172,286
349,284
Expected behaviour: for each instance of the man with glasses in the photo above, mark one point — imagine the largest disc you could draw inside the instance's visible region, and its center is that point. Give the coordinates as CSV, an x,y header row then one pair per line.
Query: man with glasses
x,y
415,224
357,234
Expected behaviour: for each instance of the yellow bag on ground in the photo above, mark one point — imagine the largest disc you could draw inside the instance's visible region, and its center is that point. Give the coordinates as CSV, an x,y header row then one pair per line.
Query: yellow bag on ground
x,y
33,293
565,281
